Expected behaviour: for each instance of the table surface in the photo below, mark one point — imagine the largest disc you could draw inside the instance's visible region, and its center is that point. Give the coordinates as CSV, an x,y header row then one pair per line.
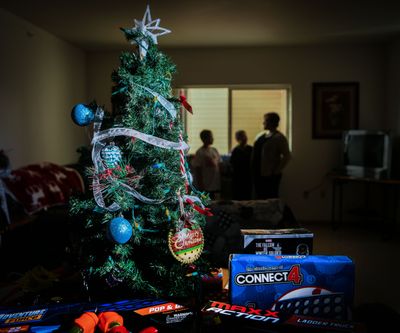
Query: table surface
x,y
388,181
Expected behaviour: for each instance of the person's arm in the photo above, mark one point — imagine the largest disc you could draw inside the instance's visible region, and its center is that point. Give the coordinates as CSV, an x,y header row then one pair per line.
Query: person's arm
x,y
285,154
233,158
218,161
255,159
219,158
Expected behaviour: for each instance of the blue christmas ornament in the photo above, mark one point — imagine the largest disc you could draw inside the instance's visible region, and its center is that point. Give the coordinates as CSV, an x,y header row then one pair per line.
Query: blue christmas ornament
x,y
82,115
111,155
120,230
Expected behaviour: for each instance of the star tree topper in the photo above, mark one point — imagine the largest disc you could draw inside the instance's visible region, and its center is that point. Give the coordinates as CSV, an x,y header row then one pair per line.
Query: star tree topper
x,y
147,28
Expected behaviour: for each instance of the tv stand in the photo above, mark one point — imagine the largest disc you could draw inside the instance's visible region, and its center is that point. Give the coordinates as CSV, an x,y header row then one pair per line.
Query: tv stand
x,y
367,174
388,210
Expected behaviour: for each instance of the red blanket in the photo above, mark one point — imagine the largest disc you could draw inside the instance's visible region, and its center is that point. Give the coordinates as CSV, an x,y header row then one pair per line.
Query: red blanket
x,y
40,186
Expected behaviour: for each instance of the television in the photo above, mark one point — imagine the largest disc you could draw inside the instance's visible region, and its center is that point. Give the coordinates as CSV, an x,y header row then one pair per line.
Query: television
x,y
367,153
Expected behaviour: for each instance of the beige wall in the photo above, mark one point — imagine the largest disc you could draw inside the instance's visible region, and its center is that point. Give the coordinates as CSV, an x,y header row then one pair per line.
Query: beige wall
x,y
41,78
297,66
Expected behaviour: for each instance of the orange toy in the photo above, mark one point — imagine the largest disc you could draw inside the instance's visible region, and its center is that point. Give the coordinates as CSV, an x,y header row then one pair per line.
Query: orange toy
x,y
108,320
86,323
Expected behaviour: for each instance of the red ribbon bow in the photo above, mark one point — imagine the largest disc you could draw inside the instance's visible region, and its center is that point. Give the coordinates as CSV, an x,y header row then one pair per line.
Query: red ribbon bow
x,y
185,104
204,211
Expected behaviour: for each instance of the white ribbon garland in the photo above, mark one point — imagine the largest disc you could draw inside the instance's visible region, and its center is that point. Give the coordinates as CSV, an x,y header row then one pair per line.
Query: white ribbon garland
x,y
151,139
98,145
163,101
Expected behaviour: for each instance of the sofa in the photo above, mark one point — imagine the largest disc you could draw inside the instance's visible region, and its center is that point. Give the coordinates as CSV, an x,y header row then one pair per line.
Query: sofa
x,y
223,230
37,228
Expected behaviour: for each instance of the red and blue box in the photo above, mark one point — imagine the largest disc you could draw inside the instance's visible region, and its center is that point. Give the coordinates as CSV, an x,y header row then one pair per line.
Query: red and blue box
x,y
314,285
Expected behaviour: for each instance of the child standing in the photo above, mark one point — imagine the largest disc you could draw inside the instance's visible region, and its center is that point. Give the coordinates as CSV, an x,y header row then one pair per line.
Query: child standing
x,y
240,162
207,166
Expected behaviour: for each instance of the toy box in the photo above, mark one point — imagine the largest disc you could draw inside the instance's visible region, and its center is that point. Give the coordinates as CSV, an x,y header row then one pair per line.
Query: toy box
x,y
277,241
320,286
237,318
166,315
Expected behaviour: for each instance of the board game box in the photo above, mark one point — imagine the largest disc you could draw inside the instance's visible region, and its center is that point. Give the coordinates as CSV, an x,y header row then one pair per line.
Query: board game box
x,y
320,286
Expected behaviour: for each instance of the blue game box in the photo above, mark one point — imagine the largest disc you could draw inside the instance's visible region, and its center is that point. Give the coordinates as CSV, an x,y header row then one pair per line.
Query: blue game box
x,y
314,285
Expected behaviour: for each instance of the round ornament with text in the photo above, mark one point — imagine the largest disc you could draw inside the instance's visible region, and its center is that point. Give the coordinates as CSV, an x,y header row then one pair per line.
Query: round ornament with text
x,y
111,155
186,244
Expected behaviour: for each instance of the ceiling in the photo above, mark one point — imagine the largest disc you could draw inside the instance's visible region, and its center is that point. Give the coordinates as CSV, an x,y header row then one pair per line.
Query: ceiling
x,y
94,24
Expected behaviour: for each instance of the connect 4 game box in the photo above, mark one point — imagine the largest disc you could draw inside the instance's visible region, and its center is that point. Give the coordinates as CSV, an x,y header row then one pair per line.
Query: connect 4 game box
x,y
314,285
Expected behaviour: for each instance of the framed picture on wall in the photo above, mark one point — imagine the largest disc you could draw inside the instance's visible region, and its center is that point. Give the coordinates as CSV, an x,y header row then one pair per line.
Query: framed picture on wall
x,y
334,108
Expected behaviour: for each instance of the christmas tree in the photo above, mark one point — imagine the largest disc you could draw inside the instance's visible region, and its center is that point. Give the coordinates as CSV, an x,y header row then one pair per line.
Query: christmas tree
x,y
143,218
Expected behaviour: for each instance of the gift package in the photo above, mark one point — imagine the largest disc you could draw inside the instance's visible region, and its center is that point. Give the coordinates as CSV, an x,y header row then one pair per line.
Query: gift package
x,y
313,285
277,241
